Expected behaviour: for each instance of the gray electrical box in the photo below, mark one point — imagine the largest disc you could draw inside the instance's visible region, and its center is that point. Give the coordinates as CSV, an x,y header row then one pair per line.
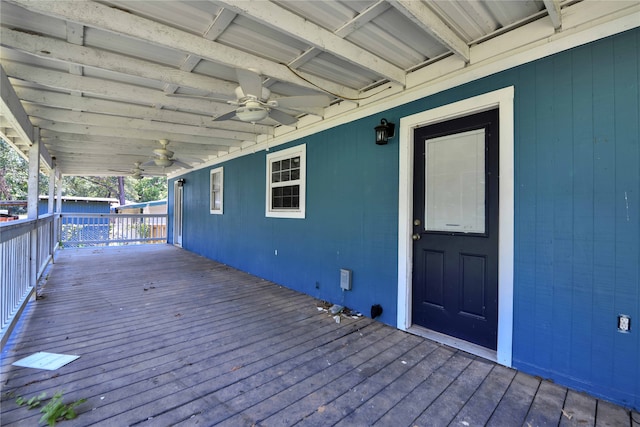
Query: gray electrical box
x,y
345,279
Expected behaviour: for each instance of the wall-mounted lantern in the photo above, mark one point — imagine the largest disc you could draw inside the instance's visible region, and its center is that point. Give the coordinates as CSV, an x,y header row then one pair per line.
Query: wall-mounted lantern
x,y
180,182
384,132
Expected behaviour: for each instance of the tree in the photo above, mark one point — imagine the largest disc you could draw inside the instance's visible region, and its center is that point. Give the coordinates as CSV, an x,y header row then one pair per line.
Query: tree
x,y
14,176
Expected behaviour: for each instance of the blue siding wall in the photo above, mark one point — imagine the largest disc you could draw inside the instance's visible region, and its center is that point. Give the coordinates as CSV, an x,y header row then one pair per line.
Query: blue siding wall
x,y
577,223
351,220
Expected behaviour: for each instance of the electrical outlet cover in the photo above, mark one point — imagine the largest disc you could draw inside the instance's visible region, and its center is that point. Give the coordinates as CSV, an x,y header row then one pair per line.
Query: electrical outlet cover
x,y
624,323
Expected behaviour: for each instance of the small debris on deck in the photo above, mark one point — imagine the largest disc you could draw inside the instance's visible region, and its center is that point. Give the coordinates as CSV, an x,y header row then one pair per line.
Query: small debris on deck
x,y
336,311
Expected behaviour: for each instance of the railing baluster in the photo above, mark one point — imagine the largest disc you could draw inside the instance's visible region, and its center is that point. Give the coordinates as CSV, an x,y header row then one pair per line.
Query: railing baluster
x,y
112,229
16,280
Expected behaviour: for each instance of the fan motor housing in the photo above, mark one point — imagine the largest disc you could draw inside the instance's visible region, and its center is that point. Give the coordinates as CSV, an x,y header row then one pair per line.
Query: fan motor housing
x,y
252,112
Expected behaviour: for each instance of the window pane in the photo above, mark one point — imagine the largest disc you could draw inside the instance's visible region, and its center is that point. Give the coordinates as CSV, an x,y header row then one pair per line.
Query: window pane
x,y
285,181
215,197
455,183
286,197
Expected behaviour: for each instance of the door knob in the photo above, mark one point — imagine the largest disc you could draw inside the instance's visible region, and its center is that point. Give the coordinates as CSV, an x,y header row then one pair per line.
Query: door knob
x,y
416,236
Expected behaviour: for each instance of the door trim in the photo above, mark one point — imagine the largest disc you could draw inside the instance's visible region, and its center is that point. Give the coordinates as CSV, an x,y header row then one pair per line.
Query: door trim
x,y
503,100
178,211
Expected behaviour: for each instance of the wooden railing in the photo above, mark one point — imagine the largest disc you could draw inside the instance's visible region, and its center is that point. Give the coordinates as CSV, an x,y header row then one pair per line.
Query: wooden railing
x,y
79,230
26,247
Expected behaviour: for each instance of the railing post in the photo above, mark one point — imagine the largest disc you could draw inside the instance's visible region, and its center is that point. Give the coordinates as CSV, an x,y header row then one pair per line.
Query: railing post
x,y
32,206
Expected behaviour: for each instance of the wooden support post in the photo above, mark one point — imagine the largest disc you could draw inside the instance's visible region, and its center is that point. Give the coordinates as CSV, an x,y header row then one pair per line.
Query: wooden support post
x,y
32,206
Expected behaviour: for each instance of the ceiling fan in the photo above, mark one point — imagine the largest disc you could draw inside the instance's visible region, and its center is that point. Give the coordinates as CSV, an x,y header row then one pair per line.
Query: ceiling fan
x,y
253,104
137,172
164,158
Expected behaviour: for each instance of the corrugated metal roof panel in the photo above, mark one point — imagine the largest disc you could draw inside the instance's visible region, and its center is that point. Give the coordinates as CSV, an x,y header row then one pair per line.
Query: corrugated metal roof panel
x,y
135,48
380,39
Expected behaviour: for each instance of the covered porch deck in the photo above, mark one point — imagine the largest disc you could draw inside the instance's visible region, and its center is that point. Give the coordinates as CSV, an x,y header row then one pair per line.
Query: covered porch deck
x,y
166,337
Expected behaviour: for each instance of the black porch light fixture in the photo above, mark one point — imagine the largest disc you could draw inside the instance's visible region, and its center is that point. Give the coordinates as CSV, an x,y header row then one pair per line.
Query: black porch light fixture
x,y
180,182
384,131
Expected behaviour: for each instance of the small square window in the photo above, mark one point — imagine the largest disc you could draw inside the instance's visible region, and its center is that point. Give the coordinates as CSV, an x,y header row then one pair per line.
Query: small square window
x,y
216,192
286,183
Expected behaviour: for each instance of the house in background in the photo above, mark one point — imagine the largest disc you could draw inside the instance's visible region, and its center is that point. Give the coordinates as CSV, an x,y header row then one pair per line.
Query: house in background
x,y
152,207
158,228
71,204
501,217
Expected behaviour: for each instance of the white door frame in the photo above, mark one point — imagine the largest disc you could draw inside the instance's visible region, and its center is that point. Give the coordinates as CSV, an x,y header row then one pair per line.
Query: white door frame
x,y
178,196
503,100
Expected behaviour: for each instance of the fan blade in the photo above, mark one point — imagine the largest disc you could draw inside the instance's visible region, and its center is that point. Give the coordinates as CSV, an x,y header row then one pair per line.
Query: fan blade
x,y
281,117
149,163
190,159
301,102
210,97
183,164
225,116
250,82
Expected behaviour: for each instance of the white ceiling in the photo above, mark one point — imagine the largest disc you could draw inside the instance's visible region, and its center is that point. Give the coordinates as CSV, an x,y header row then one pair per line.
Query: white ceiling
x,y
95,77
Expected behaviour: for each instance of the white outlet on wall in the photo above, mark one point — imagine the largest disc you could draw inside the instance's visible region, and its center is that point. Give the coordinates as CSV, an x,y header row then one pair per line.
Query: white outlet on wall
x,y
624,323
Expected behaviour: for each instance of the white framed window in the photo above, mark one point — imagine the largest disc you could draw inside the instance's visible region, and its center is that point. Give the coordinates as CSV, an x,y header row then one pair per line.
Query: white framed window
x,y
286,179
216,192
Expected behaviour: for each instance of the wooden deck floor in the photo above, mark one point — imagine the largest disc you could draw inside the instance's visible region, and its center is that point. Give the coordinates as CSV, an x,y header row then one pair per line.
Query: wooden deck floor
x,y
166,337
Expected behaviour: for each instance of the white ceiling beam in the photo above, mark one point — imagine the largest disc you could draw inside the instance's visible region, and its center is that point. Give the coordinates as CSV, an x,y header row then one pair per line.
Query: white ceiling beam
x,y
553,9
426,19
11,108
118,141
64,142
49,48
75,36
92,119
97,15
130,133
276,17
121,161
93,105
109,89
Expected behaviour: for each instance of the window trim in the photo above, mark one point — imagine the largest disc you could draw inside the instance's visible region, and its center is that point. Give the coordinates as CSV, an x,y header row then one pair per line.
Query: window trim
x,y
212,172
297,151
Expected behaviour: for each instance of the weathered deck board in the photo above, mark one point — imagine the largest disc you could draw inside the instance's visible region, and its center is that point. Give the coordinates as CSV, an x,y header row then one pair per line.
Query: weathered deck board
x,y
169,338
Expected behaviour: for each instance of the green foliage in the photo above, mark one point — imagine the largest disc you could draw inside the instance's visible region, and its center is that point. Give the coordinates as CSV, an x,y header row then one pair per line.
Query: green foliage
x,y
55,410
90,186
14,176
34,402
147,189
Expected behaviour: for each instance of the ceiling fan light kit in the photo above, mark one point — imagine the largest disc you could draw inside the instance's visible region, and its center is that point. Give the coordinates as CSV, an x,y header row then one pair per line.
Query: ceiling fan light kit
x,y
252,112
163,162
